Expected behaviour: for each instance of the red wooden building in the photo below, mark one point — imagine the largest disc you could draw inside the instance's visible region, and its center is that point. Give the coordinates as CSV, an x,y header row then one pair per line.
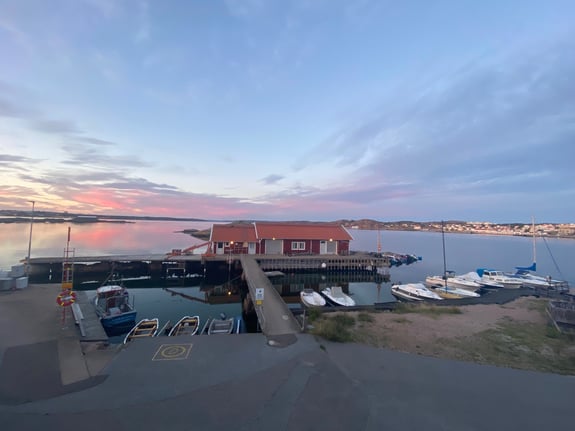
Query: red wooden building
x,y
281,238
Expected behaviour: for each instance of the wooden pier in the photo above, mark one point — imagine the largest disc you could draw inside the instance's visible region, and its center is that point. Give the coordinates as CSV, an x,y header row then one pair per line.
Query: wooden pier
x,y
273,314
324,263
166,266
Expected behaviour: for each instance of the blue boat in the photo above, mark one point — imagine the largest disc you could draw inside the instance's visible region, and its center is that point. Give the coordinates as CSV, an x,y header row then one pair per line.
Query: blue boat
x,y
114,308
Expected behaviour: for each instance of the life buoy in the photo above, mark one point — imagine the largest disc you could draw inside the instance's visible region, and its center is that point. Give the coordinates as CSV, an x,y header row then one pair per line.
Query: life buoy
x,y
66,298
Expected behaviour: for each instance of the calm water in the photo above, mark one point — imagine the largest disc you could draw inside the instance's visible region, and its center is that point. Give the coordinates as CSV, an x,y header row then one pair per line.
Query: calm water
x,y
464,253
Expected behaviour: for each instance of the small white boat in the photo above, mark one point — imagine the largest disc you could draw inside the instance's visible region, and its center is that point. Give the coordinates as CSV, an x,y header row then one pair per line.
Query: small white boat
x,y
488,284
539,282
144,328
414,292
187,325
310,298
453,280
221,326
449,292
336,296
499,277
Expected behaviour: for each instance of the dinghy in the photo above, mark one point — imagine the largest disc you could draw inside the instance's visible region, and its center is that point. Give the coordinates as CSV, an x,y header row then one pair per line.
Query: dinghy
x,y
144,328
187,325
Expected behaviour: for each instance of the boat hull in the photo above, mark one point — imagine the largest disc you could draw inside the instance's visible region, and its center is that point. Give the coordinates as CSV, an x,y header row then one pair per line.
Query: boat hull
x,y
119,320
414,292
336,297
312,299
454,282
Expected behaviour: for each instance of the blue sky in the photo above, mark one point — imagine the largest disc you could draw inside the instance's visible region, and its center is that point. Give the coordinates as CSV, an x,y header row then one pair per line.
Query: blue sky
x,y
289,110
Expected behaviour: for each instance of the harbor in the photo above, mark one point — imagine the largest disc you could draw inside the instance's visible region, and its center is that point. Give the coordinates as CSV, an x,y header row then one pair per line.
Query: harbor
x,y
61,361
48,374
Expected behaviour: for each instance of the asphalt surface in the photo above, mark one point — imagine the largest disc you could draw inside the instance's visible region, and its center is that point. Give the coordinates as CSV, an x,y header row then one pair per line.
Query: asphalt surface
x,y
240,382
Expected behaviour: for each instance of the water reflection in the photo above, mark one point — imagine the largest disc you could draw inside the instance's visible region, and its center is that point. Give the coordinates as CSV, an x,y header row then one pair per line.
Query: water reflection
x,y
95,239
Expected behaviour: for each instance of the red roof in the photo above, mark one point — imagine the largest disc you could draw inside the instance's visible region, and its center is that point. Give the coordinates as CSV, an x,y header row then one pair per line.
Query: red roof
x,y
240,232
252,232
321,231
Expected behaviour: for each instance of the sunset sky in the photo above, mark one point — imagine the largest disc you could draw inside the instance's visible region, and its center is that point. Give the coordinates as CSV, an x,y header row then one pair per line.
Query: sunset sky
x,y
290,110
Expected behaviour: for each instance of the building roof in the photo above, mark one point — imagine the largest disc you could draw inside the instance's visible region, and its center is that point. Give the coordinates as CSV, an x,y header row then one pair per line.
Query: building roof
x,y
252,232
237,232
302,230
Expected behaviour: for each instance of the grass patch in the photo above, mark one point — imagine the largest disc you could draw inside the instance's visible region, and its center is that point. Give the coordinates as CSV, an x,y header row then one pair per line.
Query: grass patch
x,y
527,346
365,317
537,305
432,310
336,328
313,314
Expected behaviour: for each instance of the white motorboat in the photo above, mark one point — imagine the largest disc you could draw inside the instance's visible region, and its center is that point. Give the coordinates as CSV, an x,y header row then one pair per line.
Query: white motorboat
x,y
499,277
487,284
336,296
414,292
453,280
310,298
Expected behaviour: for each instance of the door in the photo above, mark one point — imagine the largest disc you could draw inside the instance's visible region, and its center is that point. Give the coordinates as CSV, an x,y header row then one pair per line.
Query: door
x,y
274,246
323,247
252,248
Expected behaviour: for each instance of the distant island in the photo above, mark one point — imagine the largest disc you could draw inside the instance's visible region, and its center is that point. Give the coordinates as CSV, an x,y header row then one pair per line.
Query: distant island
x,y
558,230
13,216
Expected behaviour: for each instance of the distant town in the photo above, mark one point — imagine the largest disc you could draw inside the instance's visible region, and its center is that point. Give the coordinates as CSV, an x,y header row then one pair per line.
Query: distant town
x,y
560,230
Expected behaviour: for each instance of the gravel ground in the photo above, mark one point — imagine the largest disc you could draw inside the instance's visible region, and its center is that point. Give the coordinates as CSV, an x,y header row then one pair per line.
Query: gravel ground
x,y
516,334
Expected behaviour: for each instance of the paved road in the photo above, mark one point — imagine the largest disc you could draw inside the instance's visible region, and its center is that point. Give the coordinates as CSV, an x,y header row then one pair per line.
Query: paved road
x,y
240,382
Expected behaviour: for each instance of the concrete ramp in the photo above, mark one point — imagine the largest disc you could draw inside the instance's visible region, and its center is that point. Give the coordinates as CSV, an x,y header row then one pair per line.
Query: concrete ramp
x,y
275,317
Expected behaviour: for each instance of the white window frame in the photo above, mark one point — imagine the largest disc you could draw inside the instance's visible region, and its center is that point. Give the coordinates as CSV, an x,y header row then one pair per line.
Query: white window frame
x,y
298,245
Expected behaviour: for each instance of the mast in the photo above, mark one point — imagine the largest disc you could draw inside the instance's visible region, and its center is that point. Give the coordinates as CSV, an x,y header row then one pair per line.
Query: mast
x,y
534,248
444,260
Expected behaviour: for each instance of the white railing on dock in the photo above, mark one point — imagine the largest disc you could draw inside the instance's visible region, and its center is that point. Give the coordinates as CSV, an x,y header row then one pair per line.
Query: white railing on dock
x,y
78,317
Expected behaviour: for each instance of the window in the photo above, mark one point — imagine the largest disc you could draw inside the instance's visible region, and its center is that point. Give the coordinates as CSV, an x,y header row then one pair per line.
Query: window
x,y
298,245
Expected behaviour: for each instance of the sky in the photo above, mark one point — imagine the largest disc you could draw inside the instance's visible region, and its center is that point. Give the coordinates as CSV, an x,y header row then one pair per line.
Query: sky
x,y
290,110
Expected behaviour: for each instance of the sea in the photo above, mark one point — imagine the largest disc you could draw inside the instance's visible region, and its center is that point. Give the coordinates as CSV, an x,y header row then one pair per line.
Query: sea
x,y
463,253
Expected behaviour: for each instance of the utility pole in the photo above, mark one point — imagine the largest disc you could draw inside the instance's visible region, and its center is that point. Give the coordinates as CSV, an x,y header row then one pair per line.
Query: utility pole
x,y
30,240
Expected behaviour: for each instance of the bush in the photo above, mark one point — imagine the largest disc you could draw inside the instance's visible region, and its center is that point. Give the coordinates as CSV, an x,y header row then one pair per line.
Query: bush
x,y
314,314
335,328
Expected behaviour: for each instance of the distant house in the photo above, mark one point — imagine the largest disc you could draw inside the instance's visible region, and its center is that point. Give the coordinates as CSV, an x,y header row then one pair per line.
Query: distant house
x,y
282,238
